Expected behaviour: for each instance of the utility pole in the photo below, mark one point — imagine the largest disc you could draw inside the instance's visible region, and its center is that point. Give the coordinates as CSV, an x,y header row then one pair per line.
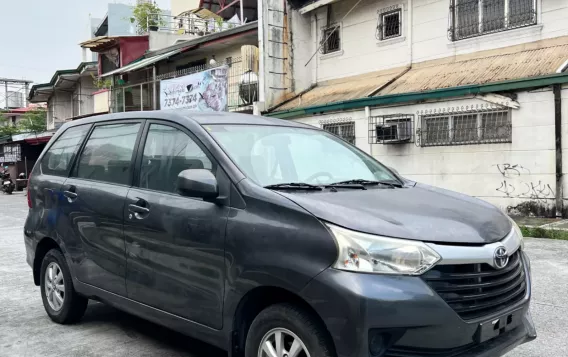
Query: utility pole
x,y
16,86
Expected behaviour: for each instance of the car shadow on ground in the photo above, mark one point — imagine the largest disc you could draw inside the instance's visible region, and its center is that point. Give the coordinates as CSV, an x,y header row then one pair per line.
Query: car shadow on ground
x,y
139,329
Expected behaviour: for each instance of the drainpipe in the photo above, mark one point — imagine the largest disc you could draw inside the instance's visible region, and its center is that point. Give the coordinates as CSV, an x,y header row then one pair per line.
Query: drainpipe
x,y
557,91
410,22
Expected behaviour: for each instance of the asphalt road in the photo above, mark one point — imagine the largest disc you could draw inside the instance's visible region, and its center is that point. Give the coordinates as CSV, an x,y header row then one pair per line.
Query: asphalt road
x,y
25,329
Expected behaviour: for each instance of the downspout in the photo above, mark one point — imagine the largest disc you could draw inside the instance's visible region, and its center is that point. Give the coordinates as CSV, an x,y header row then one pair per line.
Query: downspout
x,y
557,91
410,24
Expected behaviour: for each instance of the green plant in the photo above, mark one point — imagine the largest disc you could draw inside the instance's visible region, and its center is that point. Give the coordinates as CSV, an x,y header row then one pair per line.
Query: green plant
x,y
101,83
219,22
6,127
539,232
146,15
33,121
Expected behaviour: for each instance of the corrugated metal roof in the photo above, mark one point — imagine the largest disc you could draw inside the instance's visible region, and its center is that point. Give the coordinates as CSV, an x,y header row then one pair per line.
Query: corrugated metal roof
x,y
343,89
143,63
496,68
516,62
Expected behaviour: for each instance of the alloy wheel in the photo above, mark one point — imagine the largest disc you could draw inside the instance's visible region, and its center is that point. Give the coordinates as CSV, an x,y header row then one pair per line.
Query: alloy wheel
x,y
54,286
280,342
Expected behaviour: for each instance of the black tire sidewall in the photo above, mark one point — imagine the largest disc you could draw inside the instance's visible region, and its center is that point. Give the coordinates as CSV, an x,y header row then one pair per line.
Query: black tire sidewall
x,y
63,314
281,316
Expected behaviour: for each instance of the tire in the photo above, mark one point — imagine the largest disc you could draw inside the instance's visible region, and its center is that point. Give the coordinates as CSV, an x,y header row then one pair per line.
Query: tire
x,y
291,318
73,307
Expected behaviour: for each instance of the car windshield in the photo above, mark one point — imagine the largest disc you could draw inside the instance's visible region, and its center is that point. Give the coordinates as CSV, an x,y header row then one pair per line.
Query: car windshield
x,y
271,155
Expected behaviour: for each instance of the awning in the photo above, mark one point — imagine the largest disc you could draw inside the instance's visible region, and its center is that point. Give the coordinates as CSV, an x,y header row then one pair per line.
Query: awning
x,y
143,63
314,5
344,89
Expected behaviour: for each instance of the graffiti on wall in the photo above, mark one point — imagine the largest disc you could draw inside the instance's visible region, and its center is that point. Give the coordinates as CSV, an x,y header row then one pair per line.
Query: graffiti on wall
x,y
514,185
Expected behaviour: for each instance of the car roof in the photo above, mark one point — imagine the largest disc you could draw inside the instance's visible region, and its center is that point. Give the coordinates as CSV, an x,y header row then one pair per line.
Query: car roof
x,y
201,118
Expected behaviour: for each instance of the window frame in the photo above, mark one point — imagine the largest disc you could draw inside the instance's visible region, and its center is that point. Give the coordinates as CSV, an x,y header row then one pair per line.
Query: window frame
x,y
323,41
453,32
216,168
73,158
381,26
451,132
73,172
339,126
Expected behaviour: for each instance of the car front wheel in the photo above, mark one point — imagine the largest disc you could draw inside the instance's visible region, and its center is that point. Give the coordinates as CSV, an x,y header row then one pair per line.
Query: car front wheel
x,y
285,330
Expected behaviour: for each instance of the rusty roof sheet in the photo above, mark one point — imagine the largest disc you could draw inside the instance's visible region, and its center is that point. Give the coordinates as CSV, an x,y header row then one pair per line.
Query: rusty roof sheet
x,y
343,89
496,66
516,62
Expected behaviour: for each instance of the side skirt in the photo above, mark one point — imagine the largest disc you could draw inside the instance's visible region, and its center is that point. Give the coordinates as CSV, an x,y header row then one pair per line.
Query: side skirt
x,y
160,317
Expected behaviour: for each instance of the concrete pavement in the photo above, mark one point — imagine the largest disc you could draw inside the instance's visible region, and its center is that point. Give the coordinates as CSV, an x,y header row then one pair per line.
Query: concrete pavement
x,y
25,329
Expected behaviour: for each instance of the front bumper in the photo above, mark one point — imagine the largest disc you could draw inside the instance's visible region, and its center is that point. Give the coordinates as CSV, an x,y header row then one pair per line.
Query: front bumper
x,y
354,304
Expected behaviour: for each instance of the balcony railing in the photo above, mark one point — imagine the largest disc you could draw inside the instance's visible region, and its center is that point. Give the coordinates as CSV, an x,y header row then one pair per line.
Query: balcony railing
x,y
188,23
242,88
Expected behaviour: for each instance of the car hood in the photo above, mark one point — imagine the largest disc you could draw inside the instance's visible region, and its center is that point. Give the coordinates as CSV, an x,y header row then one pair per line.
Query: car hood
x,y
421,212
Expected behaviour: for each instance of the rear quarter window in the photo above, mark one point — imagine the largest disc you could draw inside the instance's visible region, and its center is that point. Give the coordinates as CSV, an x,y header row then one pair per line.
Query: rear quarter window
x,y
57,160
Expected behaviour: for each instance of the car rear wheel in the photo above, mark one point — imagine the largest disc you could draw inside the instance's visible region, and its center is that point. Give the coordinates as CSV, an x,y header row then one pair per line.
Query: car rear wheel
x,y
62,304
285,330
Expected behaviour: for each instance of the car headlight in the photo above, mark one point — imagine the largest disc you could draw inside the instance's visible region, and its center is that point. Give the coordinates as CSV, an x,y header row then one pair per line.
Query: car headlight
x,y
518,232
369,253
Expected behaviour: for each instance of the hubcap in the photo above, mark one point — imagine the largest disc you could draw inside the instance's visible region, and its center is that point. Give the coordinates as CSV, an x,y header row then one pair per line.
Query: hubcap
x,y
54,286
280,342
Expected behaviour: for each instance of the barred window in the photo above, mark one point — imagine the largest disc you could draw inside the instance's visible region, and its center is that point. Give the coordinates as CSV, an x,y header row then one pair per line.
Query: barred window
x,y
470,18
331,41
470,127
390,23
346,131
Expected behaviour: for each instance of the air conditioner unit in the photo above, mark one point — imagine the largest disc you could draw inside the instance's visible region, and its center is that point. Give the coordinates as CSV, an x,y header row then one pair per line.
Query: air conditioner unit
x,y
394,132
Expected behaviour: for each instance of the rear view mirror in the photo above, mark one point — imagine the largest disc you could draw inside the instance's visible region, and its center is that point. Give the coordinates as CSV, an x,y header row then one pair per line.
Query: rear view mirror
x,y
197,183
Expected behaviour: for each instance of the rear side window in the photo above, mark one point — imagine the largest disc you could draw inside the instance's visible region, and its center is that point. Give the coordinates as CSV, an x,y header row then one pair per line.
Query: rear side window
x,y
57,160
108,153
167,152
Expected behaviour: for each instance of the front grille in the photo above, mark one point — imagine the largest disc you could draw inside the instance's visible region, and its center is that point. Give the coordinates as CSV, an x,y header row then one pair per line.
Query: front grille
x,y
478,290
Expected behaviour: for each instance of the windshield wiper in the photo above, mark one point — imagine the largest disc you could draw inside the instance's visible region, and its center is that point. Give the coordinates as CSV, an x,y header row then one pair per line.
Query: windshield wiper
x,y
294,186
366,182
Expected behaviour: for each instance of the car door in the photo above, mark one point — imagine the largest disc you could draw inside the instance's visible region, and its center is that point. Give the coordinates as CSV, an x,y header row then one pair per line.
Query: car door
x,y
95,194
45,191
174,244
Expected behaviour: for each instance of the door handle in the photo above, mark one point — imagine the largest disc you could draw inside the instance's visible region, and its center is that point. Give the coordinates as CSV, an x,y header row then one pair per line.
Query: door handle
x,y
138,209
70,193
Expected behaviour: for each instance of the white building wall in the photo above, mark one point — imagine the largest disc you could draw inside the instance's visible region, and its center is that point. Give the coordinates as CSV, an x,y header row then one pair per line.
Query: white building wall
x,y
361,52
83,96
59,108
508,175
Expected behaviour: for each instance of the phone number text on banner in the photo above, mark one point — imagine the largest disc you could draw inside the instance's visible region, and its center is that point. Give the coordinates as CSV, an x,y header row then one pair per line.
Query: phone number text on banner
x,y
203,91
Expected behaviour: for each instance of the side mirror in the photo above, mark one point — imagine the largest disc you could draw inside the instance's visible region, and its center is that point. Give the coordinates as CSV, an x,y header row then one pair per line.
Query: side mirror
x,y
197,183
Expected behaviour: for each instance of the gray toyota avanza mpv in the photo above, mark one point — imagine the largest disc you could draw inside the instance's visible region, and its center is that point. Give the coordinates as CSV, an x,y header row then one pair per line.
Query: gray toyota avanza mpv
x,y
269,238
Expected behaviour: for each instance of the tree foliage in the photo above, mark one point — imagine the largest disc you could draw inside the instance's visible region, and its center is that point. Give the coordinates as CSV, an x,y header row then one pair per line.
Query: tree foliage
x,y
33,121
147,15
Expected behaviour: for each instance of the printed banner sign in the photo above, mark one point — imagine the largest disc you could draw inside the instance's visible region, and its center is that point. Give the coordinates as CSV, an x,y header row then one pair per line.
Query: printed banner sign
x,y
203,91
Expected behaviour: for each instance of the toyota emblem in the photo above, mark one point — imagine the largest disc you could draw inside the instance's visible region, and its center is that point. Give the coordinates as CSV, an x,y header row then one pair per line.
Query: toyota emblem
x,y
501,258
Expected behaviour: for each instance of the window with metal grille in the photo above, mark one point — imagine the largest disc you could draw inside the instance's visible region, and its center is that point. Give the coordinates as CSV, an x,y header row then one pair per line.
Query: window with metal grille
x,y
390,23
466,127
346,131
331,41
470,18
